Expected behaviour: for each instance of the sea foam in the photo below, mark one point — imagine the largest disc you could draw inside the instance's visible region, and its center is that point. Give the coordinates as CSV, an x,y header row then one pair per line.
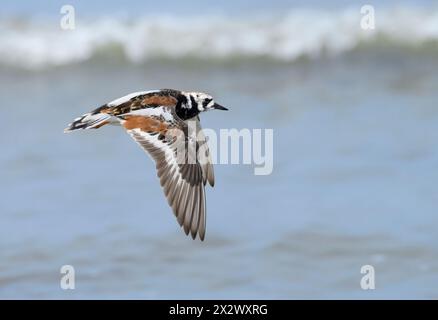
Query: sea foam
x,y
285,37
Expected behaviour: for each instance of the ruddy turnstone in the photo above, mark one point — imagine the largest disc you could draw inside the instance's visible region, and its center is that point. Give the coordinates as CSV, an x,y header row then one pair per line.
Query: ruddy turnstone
x,y
160,121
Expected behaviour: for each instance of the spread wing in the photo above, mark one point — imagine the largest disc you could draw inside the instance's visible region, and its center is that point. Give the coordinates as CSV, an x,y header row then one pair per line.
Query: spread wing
x,y
181,175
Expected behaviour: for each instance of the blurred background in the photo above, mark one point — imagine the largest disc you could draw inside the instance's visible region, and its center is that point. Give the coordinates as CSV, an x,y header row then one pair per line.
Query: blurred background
x,y
354,114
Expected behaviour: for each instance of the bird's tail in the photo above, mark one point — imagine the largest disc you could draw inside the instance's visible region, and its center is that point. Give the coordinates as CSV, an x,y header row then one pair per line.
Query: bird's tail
x,y
89,121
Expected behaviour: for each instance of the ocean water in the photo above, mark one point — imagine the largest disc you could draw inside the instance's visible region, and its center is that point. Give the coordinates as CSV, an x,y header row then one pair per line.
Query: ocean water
x,y
354,115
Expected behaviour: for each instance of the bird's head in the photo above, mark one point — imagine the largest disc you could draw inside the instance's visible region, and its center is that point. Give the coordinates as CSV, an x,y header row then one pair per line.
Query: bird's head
x,y
192,103
204,102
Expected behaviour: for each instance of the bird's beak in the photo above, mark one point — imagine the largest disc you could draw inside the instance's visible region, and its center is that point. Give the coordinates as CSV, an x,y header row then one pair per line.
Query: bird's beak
x,y
219,107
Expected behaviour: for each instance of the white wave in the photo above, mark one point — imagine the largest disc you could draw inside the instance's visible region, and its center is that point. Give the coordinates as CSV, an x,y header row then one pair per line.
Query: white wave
x,y
36,44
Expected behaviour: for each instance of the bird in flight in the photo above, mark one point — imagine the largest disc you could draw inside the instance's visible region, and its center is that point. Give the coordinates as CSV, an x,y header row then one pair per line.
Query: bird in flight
x,y
165,123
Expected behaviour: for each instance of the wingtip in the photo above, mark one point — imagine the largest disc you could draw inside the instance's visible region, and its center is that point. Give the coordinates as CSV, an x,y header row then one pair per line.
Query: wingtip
x,y
200,236
195,235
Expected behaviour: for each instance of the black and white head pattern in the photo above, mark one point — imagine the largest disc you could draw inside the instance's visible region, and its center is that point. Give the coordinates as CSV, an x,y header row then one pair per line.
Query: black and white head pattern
x,y
190,104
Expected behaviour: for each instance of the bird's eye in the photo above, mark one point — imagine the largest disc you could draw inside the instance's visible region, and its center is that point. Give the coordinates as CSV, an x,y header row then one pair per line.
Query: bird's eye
x,y
206,102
